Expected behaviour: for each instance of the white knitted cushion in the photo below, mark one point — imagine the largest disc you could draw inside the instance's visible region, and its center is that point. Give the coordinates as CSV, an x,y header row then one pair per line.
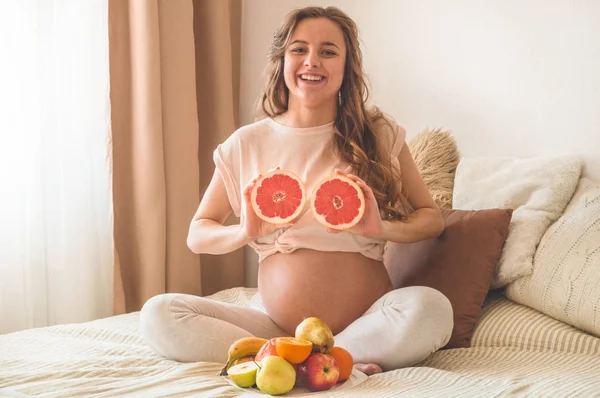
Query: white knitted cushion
x,y
537,189
566,269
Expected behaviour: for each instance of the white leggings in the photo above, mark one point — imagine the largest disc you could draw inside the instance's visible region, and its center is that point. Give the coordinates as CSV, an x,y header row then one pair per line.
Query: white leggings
x,y
400,329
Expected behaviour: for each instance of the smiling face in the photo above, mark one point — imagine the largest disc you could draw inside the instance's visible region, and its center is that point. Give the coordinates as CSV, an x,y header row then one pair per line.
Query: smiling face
x,y
314,63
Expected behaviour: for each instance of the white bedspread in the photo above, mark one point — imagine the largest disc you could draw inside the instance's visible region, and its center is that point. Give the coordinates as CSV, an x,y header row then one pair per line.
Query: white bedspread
x,y
517,352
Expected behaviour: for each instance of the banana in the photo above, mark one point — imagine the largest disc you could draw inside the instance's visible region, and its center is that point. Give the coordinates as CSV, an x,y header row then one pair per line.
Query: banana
x,y
247,358
241,348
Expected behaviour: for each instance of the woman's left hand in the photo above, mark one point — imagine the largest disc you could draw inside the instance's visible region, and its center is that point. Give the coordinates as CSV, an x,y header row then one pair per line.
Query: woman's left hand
x,y
370,224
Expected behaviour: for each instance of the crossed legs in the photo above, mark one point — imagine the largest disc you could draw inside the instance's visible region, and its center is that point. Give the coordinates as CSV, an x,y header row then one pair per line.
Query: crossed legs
x,y
400,329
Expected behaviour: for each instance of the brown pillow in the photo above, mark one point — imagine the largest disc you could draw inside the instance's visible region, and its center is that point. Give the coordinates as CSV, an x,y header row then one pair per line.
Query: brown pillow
x,y
460,264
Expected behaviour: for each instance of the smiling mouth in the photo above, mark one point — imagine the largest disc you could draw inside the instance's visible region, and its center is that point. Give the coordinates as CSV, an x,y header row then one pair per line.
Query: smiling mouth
x,y
312,78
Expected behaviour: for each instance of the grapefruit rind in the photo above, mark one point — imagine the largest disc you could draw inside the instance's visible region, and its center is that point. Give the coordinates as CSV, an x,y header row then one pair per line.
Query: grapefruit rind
x,y
322,218
277,219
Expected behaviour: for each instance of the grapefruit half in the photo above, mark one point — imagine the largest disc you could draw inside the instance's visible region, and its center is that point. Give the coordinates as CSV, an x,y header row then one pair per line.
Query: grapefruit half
x,y
278,197
338,202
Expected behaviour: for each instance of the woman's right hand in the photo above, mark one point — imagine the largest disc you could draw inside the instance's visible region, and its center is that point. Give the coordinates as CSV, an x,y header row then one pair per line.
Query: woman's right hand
x,y
254,227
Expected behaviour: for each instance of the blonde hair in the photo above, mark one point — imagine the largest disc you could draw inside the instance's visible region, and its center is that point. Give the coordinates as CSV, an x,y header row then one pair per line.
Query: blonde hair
x,y
355,141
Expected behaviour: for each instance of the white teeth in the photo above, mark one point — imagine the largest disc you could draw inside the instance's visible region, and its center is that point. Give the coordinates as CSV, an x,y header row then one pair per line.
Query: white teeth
x,y
312,78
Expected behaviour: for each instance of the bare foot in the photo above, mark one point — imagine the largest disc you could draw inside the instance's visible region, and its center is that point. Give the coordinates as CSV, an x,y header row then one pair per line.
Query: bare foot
x,y
368,368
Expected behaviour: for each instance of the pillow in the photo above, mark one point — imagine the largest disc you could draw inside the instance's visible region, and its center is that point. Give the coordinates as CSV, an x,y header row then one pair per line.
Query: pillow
x,y
460,264
436,156
538,189
566,268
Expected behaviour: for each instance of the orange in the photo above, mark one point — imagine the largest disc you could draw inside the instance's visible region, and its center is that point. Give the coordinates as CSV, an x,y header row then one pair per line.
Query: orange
x,y
344,361
292,349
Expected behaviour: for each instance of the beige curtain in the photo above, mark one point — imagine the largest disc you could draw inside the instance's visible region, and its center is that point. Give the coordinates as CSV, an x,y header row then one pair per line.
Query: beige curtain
x,y
165,124
217,33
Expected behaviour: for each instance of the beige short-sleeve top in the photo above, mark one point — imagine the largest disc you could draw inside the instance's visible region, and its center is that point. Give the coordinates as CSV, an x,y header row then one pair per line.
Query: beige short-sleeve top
x,y
264,145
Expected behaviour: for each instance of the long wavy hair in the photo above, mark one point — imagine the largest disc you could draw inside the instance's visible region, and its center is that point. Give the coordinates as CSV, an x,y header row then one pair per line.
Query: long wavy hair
x,y
355,139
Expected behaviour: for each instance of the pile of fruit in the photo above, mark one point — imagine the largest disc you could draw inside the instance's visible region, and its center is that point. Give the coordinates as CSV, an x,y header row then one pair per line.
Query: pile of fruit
x,y
309,360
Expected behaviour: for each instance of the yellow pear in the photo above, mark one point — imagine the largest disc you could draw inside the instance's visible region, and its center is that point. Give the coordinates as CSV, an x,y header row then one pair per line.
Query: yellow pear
x,y
275,375
317,332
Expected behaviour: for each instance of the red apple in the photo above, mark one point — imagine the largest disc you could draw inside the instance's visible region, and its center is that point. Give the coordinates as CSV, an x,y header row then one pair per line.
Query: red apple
x,y
301,374
266,350
318,372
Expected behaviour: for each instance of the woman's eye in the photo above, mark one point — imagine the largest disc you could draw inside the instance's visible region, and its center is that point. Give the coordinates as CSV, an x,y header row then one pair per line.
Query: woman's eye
x,y
300,50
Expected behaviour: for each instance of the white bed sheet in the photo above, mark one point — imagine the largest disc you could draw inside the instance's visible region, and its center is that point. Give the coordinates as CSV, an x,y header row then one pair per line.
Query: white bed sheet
x,y
516,352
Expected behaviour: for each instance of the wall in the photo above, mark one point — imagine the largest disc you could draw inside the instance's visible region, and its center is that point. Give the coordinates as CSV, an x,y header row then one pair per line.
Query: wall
x,y
508,77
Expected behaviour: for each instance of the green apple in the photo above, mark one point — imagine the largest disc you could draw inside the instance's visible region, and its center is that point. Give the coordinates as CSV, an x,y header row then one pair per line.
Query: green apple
x,y
275,375
243,374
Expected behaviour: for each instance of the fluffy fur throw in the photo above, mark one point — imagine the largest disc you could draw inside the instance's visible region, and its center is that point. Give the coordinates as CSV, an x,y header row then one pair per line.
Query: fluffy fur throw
x,y
436,156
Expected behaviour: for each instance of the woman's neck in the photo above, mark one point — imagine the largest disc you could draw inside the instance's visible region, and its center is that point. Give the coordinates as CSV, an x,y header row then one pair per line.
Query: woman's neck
x,y
300,116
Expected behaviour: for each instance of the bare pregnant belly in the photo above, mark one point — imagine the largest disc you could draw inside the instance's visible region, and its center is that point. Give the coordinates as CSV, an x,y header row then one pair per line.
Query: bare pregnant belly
x,y
333,286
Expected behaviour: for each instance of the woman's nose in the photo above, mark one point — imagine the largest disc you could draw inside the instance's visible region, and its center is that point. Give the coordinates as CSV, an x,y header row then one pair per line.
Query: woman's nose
x,y
312,61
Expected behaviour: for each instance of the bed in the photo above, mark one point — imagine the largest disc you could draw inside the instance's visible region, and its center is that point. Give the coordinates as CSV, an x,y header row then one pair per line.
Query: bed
x,y
533,334
516,351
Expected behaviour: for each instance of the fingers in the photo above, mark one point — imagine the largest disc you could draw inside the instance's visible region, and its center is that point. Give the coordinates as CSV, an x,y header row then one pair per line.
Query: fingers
x,y
250,185
333,231
347,170
252,182
347,173
364,186
354,178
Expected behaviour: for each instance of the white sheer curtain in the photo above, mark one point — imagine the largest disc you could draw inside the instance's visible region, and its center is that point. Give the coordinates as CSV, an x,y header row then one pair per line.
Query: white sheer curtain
x,y
56,246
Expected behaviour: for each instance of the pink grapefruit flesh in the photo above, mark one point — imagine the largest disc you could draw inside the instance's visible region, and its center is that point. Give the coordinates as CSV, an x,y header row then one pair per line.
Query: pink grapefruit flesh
x,y
338,202
278,197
